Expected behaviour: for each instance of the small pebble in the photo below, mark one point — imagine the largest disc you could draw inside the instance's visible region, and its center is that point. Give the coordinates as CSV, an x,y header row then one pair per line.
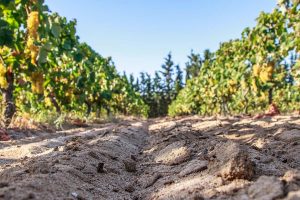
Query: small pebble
x,y
100,168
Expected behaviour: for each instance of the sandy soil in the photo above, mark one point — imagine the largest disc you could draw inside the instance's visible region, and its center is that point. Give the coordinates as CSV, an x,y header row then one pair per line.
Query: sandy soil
x,y
182,158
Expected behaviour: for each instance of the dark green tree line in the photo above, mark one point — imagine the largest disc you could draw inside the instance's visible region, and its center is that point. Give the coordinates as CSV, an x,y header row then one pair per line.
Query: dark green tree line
x,y
159,91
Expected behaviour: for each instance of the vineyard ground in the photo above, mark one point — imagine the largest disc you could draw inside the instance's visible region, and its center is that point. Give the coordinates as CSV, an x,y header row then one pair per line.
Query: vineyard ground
x,y
182,158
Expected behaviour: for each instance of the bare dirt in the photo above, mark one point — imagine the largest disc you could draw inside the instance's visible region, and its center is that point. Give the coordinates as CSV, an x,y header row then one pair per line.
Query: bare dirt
x,y
182,158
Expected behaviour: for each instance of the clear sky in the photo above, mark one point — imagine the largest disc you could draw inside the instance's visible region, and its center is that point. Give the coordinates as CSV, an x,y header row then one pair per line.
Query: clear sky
x,y
138,34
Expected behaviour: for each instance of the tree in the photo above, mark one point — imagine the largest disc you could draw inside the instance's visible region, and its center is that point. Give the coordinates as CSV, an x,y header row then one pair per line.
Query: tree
x,y
158,96
207,56
143,84
160,91
157,83
193,66
131,80
137,85
178,81
167,73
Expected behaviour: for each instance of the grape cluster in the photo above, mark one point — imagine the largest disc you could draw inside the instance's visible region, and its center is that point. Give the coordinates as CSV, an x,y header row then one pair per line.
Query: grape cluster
x,y
32,26
37,81
254,86
32,49
256,70
244,85
232,86
265,72
48,102
3,81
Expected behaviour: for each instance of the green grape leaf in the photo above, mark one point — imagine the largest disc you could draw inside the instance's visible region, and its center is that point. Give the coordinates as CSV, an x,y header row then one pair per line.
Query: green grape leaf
x,y
43,54
55,30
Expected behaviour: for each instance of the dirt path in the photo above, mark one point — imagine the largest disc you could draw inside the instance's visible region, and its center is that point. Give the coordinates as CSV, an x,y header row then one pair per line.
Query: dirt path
x,y
185,158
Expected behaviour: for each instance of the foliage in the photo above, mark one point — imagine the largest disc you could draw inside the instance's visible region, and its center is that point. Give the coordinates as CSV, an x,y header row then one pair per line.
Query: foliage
x,y
160,91
247,74
44,66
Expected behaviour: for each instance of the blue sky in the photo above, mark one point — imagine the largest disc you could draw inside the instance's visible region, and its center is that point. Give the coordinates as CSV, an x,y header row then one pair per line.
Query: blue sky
x,y
138,34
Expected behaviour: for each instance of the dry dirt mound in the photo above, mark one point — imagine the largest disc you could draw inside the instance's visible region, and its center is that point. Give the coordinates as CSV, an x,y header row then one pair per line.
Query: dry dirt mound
x,y
94,164
185,158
